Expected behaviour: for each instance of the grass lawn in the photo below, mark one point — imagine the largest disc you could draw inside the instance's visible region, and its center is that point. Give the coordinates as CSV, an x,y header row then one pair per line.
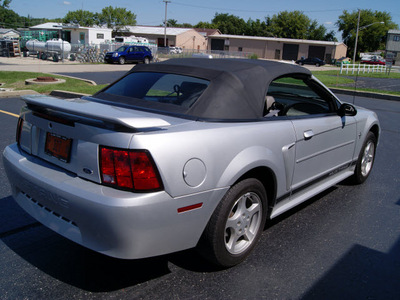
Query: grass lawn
x,y
371,75
16,80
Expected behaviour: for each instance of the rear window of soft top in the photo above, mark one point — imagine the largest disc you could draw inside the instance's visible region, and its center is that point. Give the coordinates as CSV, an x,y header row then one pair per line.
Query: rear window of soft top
x,y
180,90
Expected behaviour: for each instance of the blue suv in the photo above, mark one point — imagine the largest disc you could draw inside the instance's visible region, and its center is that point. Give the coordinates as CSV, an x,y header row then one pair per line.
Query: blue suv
x,y
129,54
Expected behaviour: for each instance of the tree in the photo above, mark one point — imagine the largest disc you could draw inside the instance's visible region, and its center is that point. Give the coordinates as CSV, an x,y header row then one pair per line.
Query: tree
x,y
116,18
81,17
257,28
370,37
229,24
205,25
296,25
287,24
9,19
5,3
172,23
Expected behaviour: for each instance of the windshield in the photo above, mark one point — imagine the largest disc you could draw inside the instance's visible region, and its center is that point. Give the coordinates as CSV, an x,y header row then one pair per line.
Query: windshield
x,y
122,48
178,90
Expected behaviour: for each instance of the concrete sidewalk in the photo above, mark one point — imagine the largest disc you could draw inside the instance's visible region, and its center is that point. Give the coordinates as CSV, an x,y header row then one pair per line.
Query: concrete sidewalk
x,y
33,64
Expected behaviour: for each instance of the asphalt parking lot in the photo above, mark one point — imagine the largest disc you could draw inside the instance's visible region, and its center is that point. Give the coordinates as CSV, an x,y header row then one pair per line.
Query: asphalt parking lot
x,y
344,243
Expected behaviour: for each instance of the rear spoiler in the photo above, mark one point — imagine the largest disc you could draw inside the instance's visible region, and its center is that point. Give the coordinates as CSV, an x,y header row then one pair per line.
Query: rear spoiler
x,y
103,112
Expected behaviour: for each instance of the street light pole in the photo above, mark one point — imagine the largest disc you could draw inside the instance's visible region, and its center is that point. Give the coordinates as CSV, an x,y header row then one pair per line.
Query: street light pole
x,y
165,22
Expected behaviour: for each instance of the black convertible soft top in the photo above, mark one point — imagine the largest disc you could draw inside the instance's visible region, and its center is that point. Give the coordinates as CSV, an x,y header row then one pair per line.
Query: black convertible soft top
x,y
237,87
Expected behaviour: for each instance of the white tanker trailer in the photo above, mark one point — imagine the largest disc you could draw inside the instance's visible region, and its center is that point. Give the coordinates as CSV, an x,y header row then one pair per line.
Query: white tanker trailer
x,y
53,48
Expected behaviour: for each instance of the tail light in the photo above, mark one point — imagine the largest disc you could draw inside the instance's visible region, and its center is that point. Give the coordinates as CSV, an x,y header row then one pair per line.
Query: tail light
x,y
19,129
132,170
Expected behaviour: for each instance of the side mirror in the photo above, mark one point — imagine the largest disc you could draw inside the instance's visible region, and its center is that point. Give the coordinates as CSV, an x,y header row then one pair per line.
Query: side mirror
x,y
347,110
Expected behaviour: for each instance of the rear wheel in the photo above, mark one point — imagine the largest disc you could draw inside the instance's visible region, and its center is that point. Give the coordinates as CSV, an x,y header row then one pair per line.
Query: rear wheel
x,y
365,160
121,60
236,224
146,60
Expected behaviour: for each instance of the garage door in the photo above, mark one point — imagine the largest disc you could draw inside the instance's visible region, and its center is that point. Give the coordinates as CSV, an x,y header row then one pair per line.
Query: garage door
x,y
217,44
290,51
316,51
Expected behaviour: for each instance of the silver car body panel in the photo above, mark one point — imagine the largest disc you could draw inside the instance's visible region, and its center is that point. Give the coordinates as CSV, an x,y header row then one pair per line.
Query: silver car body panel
x,y
116,223
198,161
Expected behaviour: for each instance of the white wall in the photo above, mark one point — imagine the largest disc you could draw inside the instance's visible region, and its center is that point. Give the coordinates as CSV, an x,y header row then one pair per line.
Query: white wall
x,y
90,35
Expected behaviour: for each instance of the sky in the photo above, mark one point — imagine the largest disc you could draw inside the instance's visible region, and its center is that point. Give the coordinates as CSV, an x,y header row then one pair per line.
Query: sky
x,y
152,12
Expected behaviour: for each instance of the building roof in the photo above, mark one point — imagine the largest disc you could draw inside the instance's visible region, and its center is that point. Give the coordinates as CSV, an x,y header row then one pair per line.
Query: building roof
x,y
208,31
47,26
57,26
274,39
394,31
5,30
157,30
73,26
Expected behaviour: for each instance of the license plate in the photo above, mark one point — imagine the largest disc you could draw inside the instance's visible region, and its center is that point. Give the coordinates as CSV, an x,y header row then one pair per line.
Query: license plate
x,y
58,146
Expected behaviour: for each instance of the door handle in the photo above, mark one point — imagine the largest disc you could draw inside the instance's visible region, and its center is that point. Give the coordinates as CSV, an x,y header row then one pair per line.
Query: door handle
x,y
308,134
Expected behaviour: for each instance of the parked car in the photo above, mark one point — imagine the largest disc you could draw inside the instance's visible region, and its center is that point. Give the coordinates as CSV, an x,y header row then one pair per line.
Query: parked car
x,y
128,53
175,50
344,60
186,153
374,61
311,61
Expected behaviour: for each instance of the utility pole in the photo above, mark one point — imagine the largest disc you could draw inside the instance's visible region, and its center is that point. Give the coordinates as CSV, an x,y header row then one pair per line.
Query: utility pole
x,y
355,45
165,22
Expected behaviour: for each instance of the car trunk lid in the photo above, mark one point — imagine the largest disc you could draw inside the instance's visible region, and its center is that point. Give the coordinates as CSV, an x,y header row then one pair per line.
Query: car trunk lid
x,y
68,132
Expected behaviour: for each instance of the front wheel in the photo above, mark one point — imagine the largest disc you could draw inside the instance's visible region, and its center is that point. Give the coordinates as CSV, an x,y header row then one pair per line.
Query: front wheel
x,y
236,224
365,160
121,60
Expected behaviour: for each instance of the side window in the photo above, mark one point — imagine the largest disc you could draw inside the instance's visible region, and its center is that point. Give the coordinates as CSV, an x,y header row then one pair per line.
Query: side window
x,y
297,96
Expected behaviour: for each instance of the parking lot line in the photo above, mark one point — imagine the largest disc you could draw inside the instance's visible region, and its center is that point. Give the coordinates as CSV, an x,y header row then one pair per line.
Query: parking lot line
x,y
8,113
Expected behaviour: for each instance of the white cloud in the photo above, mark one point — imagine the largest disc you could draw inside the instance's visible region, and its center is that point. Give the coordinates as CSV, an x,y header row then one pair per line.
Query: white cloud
x,y
67,3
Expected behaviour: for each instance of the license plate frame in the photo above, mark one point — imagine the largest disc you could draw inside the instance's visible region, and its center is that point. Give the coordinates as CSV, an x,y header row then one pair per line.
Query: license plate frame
x,y
58,146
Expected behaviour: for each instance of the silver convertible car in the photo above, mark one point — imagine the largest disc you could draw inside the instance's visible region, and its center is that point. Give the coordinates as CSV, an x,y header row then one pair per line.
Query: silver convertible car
x,y
186,153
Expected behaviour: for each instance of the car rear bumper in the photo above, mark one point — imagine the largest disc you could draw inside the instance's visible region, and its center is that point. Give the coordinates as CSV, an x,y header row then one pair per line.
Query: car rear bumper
x,y
116,223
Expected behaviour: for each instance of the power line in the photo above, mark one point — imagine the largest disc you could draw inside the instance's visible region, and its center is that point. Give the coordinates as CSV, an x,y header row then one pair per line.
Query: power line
x,y
247,11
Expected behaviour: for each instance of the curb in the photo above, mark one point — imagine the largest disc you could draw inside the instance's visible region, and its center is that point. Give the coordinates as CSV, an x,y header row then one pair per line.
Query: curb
x,y
73,77
18,93
366,94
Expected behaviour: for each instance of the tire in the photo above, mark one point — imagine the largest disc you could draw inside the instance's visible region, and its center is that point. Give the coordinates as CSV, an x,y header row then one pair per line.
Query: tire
x,y
236,224
365,160
121,60
146,60
317,64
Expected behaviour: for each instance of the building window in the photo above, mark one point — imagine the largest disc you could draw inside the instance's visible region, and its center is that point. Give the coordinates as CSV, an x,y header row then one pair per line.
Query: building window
x,y
396,38
100,36
240,49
